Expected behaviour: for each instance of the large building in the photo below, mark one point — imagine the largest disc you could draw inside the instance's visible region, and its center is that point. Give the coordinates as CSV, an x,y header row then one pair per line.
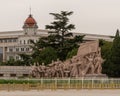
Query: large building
x,y
13,43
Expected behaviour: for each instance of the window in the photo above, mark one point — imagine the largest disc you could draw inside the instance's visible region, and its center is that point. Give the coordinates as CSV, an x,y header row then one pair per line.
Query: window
x,y
20,42
28,42
17,49
25,33
22,49
14,40
1,41
24,41
10,40
17,57
27,49
1,75
10,50
5,40
31,40
25,75
12,75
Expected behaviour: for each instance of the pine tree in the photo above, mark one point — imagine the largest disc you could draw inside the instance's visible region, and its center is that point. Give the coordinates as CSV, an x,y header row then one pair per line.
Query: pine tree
x,y
59,33
111,54
115,55
60,28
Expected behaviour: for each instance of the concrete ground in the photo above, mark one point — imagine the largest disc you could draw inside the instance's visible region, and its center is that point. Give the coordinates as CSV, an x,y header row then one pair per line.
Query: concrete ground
x,y
112,92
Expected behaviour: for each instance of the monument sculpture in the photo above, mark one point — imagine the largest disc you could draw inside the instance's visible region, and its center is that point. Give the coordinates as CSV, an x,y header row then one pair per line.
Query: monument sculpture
x,y
87,62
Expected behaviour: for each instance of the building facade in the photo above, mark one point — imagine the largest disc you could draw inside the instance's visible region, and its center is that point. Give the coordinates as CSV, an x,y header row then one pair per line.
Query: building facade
x,y
13,43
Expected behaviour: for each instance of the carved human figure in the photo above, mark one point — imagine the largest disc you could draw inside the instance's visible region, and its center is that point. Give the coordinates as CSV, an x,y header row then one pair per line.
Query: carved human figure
x,y
58,68
43,68
67,67
98,63
61,72
52,71
76,64
47,72
90,65
74,71
33,70
82,65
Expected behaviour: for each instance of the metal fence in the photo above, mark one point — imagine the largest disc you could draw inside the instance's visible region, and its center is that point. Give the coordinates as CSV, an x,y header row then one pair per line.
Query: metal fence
x,y
53,84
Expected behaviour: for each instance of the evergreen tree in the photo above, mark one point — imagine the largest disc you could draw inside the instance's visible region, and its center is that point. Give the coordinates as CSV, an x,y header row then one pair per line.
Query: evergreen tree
x,y
59,33
60,27
47,55
111,54
106,54
115,55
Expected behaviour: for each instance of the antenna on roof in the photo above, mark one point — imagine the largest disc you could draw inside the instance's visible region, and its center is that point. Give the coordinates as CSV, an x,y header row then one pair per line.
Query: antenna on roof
x,y
30,10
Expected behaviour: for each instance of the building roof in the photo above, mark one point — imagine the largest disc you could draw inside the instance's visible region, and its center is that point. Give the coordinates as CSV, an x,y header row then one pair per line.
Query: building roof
x,y
41,32
30,21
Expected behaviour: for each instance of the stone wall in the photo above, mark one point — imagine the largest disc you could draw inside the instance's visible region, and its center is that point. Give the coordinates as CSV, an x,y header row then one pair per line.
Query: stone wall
x,y
14,71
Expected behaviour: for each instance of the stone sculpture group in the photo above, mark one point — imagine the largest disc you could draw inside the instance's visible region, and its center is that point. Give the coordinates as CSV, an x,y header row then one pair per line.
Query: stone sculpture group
x,y
88,61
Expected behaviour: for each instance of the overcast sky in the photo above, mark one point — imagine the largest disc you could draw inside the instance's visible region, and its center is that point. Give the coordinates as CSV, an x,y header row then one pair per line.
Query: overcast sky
x,y
90,16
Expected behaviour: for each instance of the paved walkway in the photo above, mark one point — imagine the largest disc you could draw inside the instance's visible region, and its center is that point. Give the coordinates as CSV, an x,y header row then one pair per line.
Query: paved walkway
x,y
62,93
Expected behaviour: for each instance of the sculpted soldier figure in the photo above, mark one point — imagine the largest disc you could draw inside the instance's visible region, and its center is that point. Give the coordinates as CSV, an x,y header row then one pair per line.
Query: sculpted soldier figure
x,y
33,71
67,68
76,64
87,61
98,61
90,64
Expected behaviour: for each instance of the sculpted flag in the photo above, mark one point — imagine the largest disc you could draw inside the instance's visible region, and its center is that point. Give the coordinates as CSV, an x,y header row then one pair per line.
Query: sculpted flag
x,y
88,47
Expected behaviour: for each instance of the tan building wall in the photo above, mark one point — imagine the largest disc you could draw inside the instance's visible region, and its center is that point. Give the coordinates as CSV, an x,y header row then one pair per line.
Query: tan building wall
x,y
12,45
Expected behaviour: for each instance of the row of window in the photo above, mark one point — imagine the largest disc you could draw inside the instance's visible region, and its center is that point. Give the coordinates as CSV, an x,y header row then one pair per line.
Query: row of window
x,y
19,49
15,40
16,58
26,41
15,75
7,40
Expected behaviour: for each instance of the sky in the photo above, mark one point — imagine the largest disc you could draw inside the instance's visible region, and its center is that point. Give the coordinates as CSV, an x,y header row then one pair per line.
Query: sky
x,y
90,16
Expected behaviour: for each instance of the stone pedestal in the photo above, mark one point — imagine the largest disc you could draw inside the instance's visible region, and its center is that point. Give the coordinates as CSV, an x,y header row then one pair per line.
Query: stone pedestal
x,y
96,76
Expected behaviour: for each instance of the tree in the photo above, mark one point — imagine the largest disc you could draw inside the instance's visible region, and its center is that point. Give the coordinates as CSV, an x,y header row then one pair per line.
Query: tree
x,y
13,62
105,48
47,55
112,55
59,33
115,55
27,60
60,26
105,53
59,37
72,53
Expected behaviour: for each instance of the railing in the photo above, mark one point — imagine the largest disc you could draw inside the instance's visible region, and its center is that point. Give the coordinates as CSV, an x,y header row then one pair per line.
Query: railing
x,y
53,84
